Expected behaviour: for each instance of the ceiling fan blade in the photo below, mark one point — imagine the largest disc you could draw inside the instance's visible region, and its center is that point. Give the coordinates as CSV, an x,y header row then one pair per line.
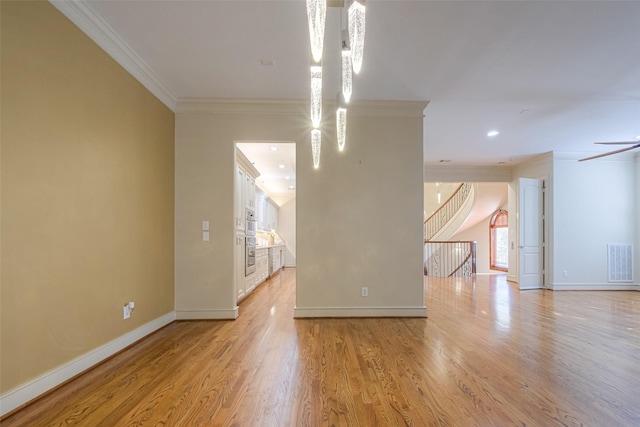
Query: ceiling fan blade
x,y
617,143
610,153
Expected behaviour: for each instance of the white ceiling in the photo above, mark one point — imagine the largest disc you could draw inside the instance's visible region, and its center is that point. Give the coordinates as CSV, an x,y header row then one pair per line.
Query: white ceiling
x,y
550,75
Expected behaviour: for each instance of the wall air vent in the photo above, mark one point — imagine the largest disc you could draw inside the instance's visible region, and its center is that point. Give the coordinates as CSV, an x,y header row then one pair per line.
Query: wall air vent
x,y
620,262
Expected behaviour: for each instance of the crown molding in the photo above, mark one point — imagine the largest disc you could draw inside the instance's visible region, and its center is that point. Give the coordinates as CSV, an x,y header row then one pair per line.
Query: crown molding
x,y
244,106
284,106
574,156
451,173
84,17
387,108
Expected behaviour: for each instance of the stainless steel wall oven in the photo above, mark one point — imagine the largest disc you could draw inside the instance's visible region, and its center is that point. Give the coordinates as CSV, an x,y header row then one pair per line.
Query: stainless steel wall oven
x,y
250,255
251,223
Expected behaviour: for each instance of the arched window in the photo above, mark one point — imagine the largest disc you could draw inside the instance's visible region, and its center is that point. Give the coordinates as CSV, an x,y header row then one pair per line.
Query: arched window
x,y
499,241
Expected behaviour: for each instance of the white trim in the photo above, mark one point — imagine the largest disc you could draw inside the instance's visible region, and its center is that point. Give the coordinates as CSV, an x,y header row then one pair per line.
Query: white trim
x,y
594,287
34,388
574,156
288,106
300,312
222,314
242,106
453,173
84,17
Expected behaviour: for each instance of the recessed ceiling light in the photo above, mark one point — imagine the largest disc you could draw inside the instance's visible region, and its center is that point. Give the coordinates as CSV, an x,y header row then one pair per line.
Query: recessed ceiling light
x,y
273,148
291,187
638,137
493,133
286,177
281,166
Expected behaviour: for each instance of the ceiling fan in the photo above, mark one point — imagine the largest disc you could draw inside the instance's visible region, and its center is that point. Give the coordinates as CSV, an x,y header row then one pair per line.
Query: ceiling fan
x,y
634,144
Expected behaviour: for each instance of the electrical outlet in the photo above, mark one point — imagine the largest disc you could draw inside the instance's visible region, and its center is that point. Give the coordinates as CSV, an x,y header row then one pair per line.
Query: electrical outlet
x,y
365,292
126,311
565,273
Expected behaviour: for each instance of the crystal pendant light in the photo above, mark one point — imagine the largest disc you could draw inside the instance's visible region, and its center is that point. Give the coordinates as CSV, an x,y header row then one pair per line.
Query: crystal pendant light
x,y
316,137
356,33
341,126
347,76
316,12
316,95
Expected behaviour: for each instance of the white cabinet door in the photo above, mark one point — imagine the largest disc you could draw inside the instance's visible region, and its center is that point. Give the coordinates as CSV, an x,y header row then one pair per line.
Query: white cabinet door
x,y
276,259
250,283
267,215
271,216
260,200
240,198
250,192
262,267
239,267
276,214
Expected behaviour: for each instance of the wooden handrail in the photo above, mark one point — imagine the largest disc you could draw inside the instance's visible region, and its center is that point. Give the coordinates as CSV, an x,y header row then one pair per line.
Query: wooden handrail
x,y
445,203
447,211
461,265
445,263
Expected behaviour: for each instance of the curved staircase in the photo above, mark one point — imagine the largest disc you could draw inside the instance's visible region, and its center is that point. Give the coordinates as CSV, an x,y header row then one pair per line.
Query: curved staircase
x,y
442,257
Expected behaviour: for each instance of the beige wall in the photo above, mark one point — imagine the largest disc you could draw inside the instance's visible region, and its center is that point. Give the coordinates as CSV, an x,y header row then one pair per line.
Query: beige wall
x,y
360,220
359,217
87,195
479,233
594,206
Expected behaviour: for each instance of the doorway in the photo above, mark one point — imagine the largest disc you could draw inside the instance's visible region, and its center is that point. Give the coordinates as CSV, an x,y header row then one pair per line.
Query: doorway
x,y
274,205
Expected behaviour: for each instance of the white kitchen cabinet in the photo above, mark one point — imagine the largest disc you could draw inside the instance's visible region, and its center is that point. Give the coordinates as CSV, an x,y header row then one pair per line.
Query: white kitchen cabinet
x,y
250,192
276,211
282,251
271,215
239,266
277,258
262,265
240,180
246,175
249,283
261,200
244,197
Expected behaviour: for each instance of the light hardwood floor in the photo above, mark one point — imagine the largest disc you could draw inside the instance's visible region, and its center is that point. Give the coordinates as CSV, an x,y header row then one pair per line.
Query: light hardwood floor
x,y
488,355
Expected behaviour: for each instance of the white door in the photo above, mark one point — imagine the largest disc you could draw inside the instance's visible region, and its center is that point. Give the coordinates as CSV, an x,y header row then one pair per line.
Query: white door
x,y
530,232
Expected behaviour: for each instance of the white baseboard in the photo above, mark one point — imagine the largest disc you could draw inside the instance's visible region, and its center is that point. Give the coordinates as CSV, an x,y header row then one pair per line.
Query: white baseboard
x,y
595,287
224,314
36,387
301,312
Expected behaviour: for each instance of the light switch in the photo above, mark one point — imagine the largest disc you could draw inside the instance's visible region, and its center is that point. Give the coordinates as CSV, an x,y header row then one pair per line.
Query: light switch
x,y
205,236
205,225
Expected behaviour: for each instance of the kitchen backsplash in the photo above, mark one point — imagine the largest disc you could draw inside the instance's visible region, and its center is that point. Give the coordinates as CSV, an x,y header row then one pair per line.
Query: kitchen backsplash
x,y
268,238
